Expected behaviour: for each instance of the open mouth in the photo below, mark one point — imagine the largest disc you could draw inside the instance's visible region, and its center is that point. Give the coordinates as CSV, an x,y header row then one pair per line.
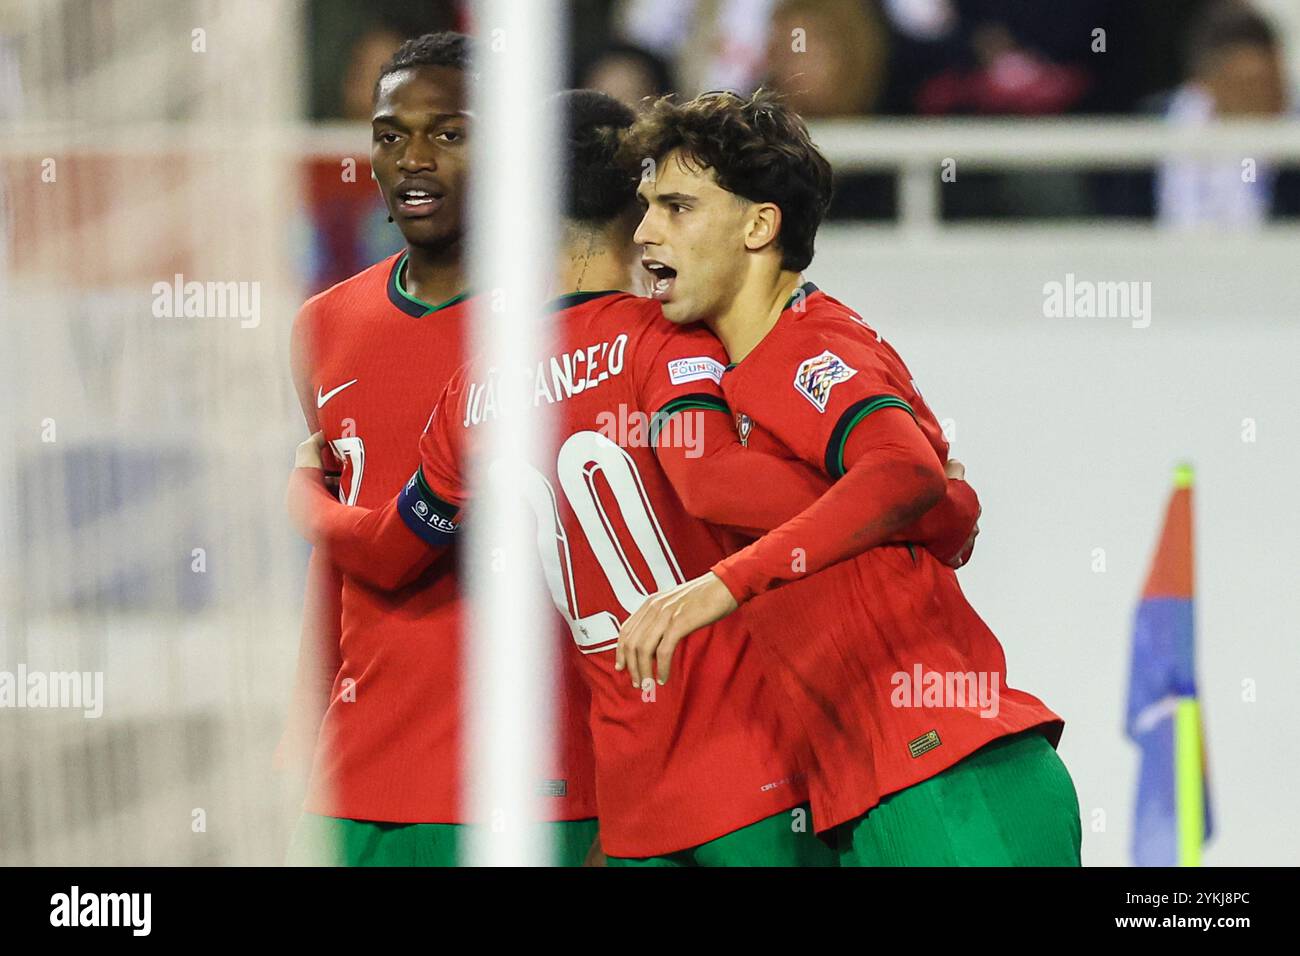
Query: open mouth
x,y
414,201
662,278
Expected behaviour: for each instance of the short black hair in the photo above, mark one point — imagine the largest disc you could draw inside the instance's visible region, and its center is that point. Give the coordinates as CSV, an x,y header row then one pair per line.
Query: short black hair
x,y
597,188
446,48
1226,24
758,148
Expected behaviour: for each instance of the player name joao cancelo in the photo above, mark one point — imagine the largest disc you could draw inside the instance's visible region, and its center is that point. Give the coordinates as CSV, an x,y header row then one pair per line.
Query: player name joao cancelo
x,y
563,376
549,381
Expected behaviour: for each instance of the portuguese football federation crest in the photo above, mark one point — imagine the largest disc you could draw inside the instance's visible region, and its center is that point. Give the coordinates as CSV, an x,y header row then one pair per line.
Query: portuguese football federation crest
x,y
743,424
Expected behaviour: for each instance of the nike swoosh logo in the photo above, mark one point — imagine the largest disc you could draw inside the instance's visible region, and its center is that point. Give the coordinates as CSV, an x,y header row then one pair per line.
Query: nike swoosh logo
x,y
323,397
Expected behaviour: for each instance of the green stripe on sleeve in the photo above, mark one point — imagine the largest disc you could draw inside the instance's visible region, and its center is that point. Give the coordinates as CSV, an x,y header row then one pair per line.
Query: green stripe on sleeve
x,y
849,420
699,401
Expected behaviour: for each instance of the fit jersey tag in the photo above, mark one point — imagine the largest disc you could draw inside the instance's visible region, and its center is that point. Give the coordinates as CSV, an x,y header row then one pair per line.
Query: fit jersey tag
x,y
553,788
924,744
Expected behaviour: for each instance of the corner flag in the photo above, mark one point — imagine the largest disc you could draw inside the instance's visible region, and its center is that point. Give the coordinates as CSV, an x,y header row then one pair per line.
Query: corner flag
x,y
1172,816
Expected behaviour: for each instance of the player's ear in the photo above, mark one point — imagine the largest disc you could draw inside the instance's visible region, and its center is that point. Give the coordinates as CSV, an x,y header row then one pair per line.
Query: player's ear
x,y
762,226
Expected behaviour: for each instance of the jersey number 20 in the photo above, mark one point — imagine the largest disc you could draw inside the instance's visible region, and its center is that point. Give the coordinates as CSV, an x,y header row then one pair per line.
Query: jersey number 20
x,y
582,457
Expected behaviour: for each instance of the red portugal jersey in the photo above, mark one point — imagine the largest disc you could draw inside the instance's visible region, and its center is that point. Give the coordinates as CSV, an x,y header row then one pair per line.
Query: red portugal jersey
x,y
710,751
893,673
390,745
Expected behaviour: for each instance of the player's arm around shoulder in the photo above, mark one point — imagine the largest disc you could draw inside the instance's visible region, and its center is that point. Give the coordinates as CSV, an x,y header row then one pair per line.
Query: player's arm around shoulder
x,y
851,379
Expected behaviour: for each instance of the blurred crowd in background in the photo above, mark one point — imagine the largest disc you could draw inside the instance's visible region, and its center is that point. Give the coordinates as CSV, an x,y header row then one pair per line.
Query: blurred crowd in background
x,y
1180,61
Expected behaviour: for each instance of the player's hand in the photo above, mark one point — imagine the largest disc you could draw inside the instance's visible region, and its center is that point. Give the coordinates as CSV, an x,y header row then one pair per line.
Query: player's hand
x,y
309,452
969,547
955,469
650,636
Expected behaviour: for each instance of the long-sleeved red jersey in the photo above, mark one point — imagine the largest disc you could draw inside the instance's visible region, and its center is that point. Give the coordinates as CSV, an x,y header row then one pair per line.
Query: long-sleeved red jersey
x,y
893,673
370,361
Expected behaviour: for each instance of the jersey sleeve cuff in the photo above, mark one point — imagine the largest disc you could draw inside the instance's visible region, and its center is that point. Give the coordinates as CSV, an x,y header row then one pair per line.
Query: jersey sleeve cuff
x,y
432,519
732,581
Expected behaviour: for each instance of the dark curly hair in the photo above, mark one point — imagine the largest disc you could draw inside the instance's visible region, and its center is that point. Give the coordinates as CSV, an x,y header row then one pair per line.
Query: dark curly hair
x,y
758,148
597,189
446,48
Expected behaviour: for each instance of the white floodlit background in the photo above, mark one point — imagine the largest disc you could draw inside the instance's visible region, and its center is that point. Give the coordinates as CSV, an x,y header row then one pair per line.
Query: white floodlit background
x,y
142,534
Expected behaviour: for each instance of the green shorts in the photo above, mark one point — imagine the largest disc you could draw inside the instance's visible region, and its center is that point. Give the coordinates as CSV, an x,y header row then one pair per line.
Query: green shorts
x,y
1010,803
783,839
333,841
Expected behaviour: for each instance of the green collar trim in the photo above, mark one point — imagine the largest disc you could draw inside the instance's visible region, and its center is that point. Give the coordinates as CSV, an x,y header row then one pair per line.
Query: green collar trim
x,y
409,303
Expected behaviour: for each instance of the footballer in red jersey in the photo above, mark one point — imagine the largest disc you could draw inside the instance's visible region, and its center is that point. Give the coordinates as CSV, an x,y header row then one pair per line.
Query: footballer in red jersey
x,y
901,686
678,766
370,356
702,771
